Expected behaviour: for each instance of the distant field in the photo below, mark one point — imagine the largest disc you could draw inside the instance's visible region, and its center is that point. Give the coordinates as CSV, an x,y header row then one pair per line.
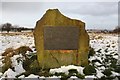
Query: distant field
x,y
16,33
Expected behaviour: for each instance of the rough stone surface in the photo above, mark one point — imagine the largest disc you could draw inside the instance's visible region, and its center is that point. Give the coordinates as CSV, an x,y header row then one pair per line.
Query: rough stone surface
x,y
57,58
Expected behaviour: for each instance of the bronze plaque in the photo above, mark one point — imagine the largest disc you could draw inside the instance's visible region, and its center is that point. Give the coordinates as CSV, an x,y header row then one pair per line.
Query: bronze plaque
x,y
61,38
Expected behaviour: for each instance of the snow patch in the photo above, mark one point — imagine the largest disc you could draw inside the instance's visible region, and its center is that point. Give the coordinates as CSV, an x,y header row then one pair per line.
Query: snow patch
x,y
65,69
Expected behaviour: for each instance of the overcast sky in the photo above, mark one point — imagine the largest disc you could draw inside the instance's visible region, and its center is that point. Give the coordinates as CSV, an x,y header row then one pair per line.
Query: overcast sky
x,y
96,15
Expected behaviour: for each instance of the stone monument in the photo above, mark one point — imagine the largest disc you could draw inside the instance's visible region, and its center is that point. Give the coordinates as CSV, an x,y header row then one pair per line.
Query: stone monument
x,y
60,40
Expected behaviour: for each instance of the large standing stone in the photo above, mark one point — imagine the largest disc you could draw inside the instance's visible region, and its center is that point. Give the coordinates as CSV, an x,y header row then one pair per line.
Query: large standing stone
x,y
50,56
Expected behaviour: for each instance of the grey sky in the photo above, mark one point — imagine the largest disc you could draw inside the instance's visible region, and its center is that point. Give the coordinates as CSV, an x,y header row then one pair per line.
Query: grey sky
x,y
97,15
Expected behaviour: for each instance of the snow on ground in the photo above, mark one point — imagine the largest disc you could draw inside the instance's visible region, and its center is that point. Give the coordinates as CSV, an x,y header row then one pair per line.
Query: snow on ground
x,y
103,44
15,41
65,69
17,66
107,44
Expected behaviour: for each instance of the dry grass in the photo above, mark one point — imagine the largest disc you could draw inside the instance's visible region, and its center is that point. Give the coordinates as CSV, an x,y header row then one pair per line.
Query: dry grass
x,y
10,52
17,33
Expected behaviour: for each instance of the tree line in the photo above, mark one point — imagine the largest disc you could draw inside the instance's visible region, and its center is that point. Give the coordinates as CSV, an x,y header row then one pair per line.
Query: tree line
x,y
14,28
117,29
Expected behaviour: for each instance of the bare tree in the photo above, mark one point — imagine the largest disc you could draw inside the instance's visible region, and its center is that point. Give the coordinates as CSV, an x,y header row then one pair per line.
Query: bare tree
x,y
117,29
7,27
